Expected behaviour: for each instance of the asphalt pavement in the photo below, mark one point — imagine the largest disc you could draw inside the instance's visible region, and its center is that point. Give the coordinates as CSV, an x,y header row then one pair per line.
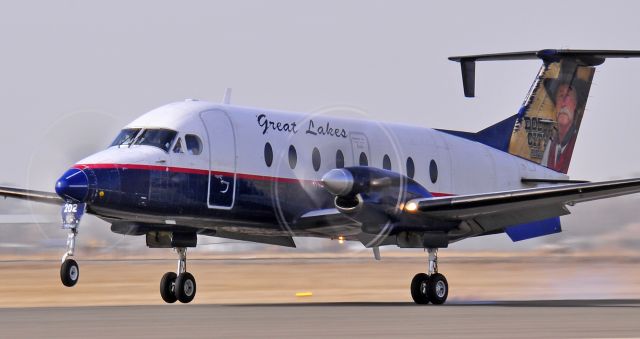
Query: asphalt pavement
x,y
507,319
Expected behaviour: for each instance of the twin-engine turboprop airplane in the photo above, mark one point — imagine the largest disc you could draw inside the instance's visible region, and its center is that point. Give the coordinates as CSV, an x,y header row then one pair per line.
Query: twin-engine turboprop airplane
x,y
197,168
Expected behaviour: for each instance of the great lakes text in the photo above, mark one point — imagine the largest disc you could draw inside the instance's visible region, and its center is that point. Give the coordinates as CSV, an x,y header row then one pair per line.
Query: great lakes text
x,y
292,127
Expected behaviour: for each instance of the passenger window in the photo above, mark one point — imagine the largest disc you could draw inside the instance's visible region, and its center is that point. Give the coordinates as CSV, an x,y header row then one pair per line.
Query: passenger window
x,y
339,159
386,163
363,159
268,154
178,146
411,169
315,159
194,144
433,171
293,157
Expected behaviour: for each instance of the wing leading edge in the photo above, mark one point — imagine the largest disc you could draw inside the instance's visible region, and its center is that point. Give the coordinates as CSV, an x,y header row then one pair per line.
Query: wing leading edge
x,y
24,194
495,211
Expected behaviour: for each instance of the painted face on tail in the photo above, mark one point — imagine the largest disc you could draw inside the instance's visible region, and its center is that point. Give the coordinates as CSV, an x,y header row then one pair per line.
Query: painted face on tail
x,y
566,103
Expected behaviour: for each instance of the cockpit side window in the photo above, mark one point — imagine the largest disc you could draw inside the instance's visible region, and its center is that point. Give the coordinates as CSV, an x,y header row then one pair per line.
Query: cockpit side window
x,y
178,147
194,144
126,137
161,138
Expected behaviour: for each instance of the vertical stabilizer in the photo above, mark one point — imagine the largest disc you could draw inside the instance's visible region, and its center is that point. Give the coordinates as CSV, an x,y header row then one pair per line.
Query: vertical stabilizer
x,y
548,123
546,127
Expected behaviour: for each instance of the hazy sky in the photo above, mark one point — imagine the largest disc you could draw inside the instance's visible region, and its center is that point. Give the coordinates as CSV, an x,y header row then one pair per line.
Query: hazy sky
x,y
73,72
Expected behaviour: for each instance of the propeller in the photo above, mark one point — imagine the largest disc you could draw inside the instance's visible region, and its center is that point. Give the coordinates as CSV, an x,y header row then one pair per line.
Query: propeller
x,y
319,152
66,140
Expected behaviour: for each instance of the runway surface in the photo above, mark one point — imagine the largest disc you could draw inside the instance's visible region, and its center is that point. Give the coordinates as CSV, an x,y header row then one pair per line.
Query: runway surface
x,y
508,319
335,280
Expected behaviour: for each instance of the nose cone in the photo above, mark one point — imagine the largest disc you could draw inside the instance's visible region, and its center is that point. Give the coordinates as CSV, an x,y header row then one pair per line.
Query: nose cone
x,y
73,186
338,181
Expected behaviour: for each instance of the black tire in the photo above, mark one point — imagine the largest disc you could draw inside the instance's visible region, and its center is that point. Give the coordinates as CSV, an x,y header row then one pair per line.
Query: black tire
x,y
185,289
69,272
167,284
438,289
419,288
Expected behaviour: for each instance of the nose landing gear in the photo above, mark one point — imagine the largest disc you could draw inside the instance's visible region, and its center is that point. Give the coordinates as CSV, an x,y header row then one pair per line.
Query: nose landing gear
x,y
431,286
71,215
180,286
69,271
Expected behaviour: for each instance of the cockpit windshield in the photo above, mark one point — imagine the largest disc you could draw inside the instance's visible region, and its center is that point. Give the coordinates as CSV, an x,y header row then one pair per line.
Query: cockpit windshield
x,y
161,138
126,137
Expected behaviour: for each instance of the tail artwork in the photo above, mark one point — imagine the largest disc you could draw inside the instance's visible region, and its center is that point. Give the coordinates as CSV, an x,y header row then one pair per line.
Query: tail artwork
x,y
546,127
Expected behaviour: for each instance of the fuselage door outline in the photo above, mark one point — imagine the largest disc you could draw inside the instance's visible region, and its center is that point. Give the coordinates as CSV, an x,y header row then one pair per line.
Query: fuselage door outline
x,y
221,140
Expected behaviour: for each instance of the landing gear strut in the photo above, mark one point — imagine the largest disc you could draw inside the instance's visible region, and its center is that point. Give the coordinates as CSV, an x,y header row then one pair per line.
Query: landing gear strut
x,y
180,286
431,286
69,271
71,215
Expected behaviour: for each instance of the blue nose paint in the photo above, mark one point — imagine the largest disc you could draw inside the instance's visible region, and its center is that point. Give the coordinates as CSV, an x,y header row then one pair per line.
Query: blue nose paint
x,y
73,186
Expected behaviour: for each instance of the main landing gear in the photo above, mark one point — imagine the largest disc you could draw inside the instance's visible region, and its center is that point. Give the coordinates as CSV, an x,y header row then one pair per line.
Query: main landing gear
x,y
431,286
180,286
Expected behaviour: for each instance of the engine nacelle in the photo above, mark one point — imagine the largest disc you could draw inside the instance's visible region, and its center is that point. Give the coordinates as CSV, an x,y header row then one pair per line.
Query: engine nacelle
x,y
372,196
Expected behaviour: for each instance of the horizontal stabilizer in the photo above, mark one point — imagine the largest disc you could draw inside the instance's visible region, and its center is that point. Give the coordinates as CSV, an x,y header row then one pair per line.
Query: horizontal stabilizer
x,y
551,181
582,57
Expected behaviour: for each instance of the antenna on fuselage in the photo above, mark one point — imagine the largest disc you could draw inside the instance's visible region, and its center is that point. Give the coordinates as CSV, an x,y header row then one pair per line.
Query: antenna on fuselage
x,y
227,96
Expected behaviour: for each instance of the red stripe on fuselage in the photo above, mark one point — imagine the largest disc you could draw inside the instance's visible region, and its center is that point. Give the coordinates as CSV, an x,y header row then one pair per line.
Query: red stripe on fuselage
x,y
206,172
146,167
187,170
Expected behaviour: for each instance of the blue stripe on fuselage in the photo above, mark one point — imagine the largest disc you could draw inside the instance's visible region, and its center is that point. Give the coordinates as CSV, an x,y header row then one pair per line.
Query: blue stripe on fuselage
x,y
162,192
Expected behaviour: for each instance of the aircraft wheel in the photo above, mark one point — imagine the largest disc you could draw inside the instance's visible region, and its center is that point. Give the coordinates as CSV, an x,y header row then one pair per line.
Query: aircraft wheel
x,y
69,272
185,287
167,287
438,289
419,288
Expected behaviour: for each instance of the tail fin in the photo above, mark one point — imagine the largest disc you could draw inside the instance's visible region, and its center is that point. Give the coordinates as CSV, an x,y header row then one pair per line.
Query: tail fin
x,y
545,128
548,123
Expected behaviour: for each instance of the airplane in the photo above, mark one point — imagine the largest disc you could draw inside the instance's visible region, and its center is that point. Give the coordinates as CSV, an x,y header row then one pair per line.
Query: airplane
x,y
194,168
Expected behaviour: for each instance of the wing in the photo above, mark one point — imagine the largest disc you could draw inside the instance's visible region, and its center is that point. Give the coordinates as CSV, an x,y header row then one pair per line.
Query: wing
x,y
271,240
38,196
328,223
325,218
495,211
15,219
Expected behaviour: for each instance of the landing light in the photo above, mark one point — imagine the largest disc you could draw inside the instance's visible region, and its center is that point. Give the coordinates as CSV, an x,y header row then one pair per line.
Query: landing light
x,y
341,239
411,207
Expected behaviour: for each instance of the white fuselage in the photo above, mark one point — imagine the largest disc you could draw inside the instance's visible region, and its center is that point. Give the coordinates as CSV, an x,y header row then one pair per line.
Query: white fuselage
x,y
234,148
464,166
